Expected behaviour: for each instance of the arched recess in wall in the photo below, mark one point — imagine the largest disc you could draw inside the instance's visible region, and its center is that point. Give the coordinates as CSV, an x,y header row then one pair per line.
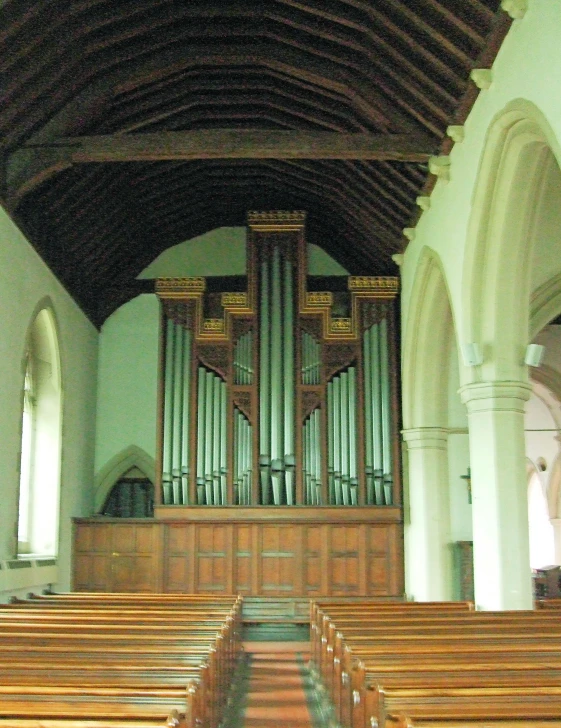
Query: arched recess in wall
x,y
39,486
426,352
131,457
497,280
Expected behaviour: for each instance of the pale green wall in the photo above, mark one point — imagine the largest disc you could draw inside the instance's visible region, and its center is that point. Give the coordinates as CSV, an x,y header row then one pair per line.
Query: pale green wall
x,y
25,282
322,264
223,252
216,253
128,377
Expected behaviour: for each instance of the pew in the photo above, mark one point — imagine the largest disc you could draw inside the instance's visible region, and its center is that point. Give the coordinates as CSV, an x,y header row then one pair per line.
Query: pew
x,y
125,660
376,662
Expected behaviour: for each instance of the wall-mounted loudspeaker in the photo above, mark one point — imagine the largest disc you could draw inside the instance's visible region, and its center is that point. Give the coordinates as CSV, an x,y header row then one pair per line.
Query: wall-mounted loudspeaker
x,y
472,354
534,355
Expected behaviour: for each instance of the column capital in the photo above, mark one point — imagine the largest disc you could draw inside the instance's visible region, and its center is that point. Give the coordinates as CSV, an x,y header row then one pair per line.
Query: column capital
x,y
426,437
508,396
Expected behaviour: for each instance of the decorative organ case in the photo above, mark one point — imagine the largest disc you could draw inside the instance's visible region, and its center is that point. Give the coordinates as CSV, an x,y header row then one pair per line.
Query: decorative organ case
x,y
279,394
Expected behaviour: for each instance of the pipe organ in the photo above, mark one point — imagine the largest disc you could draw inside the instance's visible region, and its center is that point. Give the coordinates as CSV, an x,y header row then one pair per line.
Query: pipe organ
x,y
278,448
285,395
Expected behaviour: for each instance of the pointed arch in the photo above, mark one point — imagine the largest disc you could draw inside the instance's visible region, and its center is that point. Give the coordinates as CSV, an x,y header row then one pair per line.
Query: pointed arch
x,y
428,340
130,457
497,274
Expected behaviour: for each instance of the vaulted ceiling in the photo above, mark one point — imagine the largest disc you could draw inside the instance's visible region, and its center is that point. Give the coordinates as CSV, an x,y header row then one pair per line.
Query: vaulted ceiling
x,y
128,126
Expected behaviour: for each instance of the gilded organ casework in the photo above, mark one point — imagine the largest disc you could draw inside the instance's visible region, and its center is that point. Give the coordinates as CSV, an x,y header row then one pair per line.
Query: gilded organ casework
x,y
281,393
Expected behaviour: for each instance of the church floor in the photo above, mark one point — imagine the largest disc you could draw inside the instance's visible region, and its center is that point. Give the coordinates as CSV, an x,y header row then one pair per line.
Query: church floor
x,y
274,685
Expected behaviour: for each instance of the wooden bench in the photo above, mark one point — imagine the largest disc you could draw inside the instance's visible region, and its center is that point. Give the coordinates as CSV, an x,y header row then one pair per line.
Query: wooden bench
x,y
369,657
194,660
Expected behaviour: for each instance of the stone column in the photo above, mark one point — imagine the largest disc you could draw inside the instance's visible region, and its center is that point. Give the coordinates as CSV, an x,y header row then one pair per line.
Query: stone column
x,y
428,554
501,553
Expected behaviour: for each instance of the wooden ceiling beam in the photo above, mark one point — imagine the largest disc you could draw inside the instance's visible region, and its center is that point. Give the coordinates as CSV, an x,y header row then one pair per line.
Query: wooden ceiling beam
x,y
34,164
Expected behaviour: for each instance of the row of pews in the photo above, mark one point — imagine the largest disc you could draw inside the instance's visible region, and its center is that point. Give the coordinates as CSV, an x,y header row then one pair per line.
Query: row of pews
x,y
117,660
438,665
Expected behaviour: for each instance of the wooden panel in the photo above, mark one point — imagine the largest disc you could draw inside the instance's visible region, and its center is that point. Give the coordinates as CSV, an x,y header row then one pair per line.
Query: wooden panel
x,y
344,558
210,558
178,563
314,538
243,559
134,557
91,558
278,559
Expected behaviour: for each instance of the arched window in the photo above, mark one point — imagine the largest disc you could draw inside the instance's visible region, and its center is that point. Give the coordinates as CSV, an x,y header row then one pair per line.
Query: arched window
x,y
40,441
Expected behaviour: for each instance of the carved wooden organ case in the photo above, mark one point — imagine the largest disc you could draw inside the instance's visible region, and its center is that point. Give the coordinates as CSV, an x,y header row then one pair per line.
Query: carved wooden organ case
x,y
280,394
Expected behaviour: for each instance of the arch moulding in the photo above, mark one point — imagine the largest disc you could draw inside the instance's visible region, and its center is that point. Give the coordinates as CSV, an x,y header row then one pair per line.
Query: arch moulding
x,y
132,456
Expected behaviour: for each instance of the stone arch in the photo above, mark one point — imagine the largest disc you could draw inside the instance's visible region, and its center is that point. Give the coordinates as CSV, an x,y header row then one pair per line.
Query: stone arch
x,y
426,350
496,284
132,456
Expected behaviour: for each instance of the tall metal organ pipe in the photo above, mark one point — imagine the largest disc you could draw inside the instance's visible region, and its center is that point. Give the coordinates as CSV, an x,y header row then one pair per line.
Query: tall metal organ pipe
x,y
378,458
341,438
276,384
212,446
175,466
243,459
243,368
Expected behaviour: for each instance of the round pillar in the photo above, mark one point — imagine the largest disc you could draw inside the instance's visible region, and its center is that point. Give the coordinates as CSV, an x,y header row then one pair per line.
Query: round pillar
x,y
501,553
428,556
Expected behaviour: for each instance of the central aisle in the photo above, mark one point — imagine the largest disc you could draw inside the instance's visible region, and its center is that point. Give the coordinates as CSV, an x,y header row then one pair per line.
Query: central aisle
x,y
274,685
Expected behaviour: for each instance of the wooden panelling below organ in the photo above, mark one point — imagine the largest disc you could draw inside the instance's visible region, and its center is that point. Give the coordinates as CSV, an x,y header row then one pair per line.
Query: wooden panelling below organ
x,y
300,553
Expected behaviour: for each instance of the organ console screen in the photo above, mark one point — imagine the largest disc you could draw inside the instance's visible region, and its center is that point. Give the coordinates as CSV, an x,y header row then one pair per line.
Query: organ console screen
x,y
281,392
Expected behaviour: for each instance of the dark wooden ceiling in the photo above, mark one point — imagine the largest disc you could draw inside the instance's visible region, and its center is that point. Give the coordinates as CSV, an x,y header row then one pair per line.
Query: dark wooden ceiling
x,y
128,126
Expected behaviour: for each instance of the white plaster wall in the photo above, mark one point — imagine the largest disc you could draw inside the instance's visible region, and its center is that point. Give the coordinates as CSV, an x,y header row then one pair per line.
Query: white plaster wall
x,y
24,283
128,380
528,66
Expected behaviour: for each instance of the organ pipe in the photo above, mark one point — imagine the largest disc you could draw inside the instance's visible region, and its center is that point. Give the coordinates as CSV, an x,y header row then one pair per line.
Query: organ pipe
x,y
330,445
288,378
264,387
167,486
186,375
367,367
175,461
378,461
385,412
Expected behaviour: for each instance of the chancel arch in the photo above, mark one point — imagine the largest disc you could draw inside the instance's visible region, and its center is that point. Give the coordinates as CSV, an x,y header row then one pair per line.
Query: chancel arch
x,y
429,340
